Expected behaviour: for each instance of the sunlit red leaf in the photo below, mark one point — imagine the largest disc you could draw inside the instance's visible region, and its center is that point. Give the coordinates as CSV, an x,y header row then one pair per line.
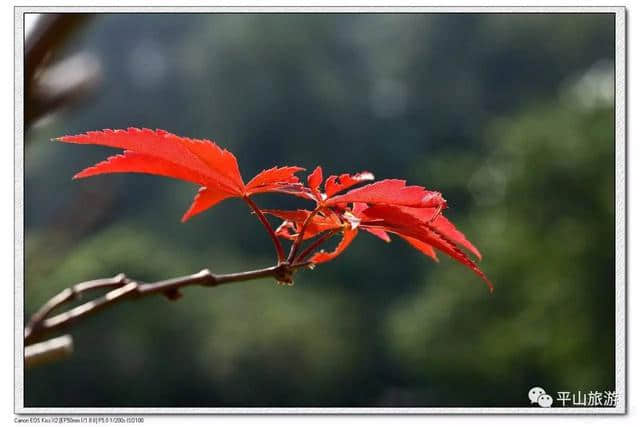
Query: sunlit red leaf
x,y
199,161
402,223
273,178
443,225
130,161
297,216
294,220
287,230
390,192
335,184
219,167
296,189
314,180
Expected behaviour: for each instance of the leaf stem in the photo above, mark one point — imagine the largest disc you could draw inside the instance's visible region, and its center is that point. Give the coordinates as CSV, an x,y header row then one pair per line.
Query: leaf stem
x,y
296,244
267,226
314,245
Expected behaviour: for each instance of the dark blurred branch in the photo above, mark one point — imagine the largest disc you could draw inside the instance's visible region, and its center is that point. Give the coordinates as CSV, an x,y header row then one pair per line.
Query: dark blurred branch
x,y
61,85
50,86
51,32
122,288
48,351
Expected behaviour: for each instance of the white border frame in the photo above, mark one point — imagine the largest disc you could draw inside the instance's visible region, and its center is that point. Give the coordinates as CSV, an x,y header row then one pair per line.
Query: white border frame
x,y
620,211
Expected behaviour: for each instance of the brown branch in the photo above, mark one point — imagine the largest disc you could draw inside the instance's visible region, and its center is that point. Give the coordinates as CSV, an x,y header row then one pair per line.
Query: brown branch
x,y
123,288
70,294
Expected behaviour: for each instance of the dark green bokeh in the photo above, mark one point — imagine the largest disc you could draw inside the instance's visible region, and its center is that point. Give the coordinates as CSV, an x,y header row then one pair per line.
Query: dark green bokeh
x,y
510,116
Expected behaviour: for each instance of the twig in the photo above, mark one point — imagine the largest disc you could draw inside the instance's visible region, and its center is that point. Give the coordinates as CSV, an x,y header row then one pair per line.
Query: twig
x,y
70,294
296,244
314,245
267,226
48,351
123,288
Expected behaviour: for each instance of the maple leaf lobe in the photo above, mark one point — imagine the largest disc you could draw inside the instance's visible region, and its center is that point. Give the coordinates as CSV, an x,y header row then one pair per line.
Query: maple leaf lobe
x,y
198,161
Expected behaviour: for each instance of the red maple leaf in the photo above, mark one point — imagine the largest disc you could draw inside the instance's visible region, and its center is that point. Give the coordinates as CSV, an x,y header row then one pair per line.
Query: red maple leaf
x,y
385,207
200,161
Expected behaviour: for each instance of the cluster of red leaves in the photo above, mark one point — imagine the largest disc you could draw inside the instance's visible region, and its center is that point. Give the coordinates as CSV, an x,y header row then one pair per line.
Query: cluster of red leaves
x,y
381,208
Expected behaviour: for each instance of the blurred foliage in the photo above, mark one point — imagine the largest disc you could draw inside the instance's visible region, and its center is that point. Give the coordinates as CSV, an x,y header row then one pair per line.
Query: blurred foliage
x,y
545,215
510,116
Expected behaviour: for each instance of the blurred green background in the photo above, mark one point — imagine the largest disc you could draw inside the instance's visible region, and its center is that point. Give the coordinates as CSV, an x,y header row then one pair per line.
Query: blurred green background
x,y
510,116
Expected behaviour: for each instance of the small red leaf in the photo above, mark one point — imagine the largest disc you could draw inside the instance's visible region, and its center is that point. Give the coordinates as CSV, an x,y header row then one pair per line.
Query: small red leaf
x,y
293,221
335,184
314,180
296,189
391,192
297,216
271,179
